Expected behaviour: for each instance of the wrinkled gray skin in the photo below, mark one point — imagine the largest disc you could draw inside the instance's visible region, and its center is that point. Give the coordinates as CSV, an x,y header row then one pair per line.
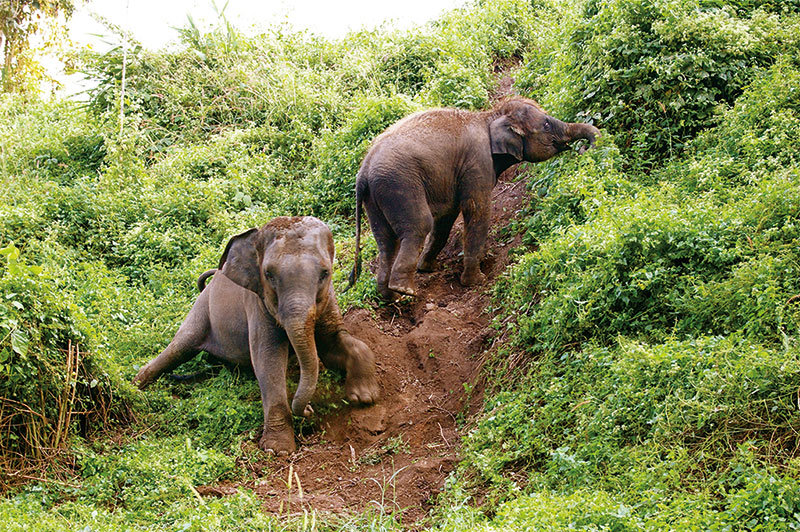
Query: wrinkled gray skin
x,y
273,291
429,167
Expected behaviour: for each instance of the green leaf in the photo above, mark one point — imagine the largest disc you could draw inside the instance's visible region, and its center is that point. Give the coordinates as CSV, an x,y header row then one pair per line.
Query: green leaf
x,y
20,342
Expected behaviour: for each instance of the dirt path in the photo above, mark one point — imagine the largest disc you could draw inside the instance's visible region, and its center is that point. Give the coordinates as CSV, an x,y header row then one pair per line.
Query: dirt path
x,y
395,455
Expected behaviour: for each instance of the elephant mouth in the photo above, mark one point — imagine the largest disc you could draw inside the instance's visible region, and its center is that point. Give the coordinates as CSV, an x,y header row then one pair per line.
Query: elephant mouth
x,y
561,146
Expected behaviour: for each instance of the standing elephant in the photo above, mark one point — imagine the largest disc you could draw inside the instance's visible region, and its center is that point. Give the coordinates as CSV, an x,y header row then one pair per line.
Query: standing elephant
x,y
425,169
273,290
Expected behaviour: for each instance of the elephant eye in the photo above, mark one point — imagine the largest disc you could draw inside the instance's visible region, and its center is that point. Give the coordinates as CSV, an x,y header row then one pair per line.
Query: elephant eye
x,y
270,276
547,125
323,275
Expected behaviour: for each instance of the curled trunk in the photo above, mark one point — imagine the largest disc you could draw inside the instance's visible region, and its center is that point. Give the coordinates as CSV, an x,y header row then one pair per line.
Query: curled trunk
x,y
579,130
300,331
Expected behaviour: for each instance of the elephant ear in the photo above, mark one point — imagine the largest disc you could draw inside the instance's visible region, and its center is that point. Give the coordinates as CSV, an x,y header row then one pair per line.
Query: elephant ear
x,y
329,243
506,138
239,261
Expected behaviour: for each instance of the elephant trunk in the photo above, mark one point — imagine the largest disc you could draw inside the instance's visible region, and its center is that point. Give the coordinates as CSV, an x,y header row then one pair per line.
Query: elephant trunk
x,y
300,330
580,130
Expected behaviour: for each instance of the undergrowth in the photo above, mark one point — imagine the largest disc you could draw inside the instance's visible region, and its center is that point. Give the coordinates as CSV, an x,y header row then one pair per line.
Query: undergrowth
x,y
649,375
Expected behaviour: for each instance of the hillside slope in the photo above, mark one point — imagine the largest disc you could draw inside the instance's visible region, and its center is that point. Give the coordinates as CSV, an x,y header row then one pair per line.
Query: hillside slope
x,y
429,354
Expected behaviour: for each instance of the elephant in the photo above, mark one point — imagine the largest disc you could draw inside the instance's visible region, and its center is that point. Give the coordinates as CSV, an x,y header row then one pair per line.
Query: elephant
x,y
272,291
425,169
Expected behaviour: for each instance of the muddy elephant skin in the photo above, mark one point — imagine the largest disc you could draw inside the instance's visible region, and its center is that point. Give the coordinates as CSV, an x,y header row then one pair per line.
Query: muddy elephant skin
x,y
427,168
272,292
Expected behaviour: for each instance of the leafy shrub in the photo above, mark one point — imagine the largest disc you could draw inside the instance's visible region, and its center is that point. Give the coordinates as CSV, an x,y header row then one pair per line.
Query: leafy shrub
x,y
409,64
56,141
151,474
638,417
50,382
656,73
339,153
217,414
456,86
752,141
620,273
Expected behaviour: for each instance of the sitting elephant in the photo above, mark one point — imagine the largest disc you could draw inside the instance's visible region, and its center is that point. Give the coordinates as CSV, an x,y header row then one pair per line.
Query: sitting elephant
x,y
422,171
273,289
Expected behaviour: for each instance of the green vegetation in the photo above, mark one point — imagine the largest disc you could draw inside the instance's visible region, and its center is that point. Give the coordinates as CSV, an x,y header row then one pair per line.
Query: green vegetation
x,y
653,331
649,373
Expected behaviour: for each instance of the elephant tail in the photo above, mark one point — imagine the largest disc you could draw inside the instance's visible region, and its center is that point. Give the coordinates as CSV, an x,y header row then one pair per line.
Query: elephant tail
x,y
201,281
362,188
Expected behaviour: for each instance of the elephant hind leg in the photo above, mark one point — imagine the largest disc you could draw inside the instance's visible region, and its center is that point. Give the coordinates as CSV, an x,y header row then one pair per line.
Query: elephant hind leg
x,y
402,277
386,240
176,353
403,205
436,242
412,227
186,344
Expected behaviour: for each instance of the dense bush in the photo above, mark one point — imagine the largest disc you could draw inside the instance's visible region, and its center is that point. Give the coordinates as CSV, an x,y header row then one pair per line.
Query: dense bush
x,y
652,330
648,422
52,387
657,73
338,154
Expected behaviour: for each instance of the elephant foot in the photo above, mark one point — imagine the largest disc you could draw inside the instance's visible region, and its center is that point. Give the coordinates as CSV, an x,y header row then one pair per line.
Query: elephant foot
x,y
404,290
471,278
427,266
278,443
362,389
144,378
389,296
402,281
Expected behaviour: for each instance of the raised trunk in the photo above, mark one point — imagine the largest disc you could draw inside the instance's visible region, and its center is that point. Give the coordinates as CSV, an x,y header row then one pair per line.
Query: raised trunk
x,y
579,130
300,330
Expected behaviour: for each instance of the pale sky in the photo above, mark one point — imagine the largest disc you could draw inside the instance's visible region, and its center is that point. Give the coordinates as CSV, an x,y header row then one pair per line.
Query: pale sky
x,y
153,22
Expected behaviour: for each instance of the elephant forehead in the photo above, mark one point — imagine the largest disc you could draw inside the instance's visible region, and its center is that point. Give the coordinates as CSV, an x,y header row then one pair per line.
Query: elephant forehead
x,y
297,244
516,102
289,223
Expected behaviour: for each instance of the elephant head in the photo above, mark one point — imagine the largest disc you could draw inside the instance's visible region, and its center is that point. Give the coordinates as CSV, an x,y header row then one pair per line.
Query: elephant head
x,y
287,263
521,131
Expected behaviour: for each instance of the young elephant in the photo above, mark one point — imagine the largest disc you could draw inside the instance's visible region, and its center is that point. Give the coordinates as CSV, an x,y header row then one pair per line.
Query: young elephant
x,y
273,290
422,171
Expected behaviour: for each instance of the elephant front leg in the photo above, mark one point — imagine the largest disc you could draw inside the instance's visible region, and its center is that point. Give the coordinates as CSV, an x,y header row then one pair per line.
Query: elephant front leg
x,y
270,358
476,230
340,350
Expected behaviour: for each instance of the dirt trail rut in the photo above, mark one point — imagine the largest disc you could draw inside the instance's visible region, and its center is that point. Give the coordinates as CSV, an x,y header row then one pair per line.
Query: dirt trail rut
x,y
397,453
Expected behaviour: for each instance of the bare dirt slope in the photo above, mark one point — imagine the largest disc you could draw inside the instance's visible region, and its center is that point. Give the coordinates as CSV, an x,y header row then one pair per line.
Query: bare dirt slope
x,y
394,456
